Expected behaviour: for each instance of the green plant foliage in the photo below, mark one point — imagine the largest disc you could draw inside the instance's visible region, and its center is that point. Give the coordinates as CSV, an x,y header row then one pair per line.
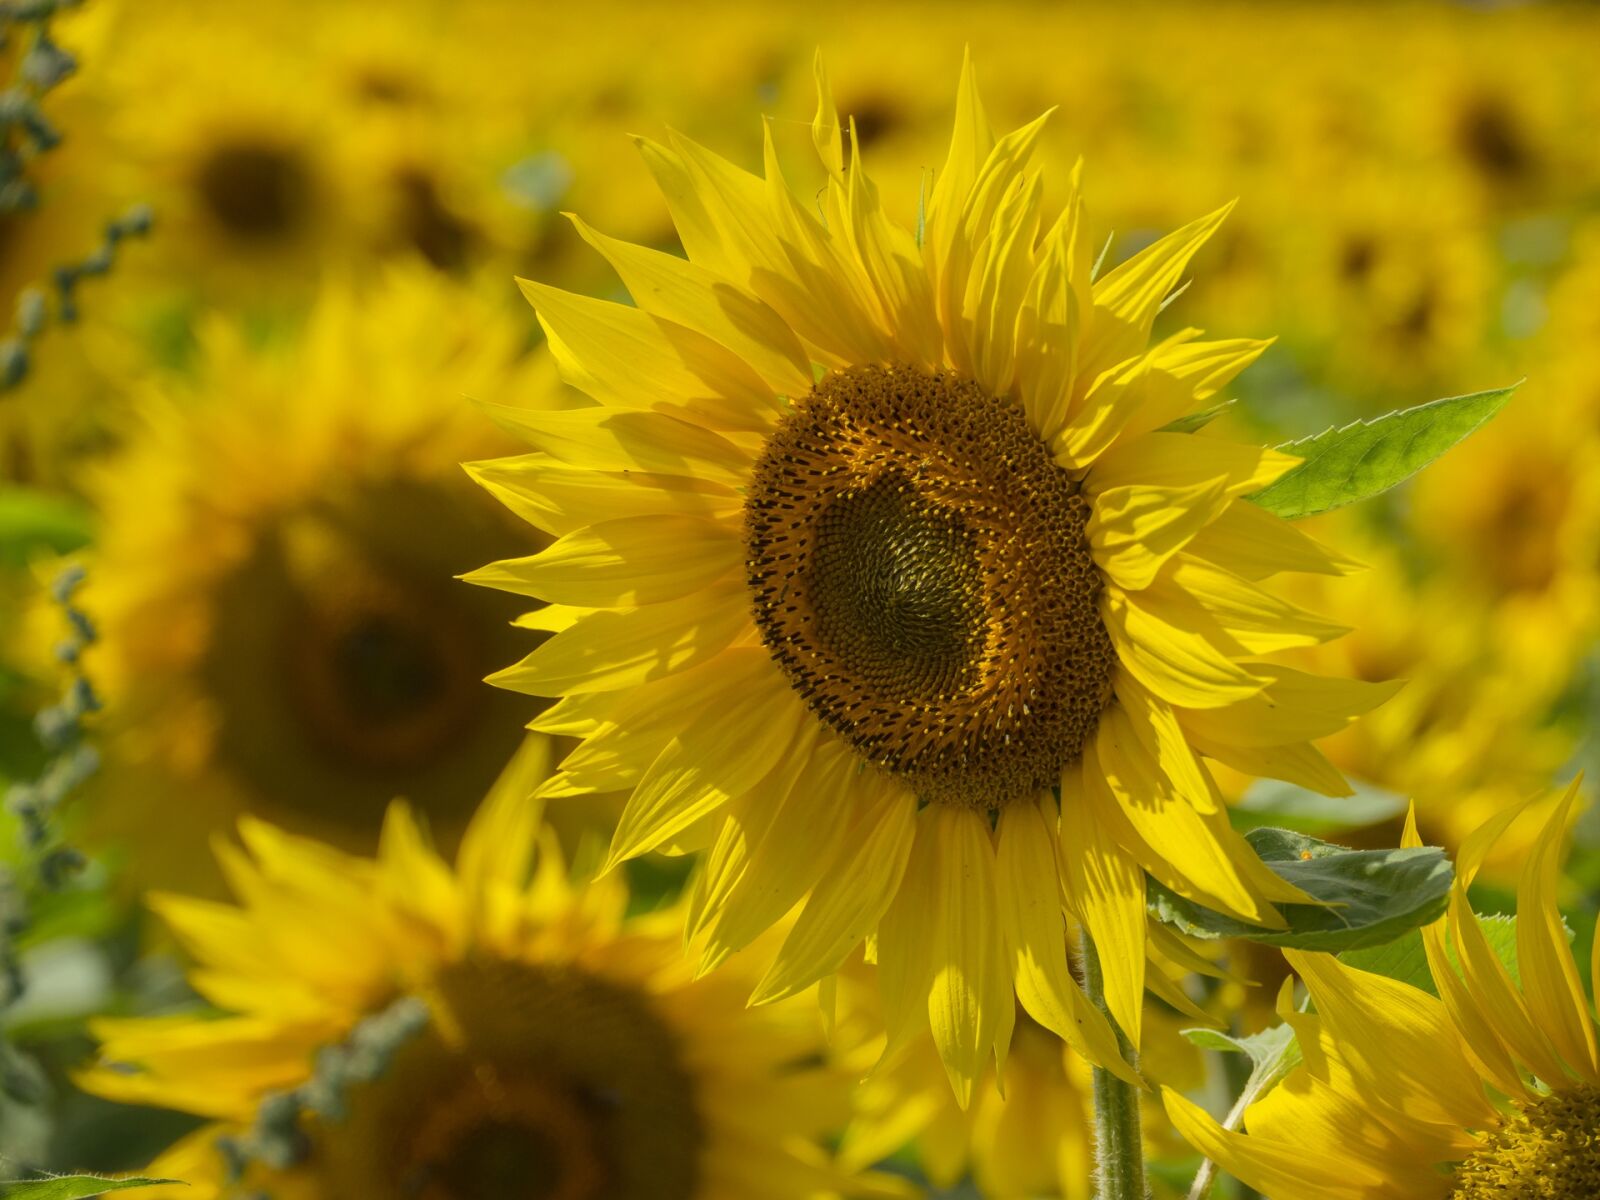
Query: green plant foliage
x,y
71,1187
1364,897
1366,458
34,522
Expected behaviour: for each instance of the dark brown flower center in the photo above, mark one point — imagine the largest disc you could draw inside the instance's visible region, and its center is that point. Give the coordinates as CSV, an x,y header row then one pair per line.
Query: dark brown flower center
x,y
345,663
256,191
1550,1151
532,1083
920,572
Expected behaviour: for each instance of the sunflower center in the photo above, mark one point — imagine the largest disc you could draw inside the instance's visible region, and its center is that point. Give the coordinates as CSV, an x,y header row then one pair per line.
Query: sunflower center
x,y
346,664
533,1083
1551,1151
920,572
257,191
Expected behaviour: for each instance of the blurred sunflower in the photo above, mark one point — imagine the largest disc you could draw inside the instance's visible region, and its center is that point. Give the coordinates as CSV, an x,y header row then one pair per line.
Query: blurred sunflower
x,y
1476,726
290,139
1517,523
871,542
567,1051
281,632
1489,1089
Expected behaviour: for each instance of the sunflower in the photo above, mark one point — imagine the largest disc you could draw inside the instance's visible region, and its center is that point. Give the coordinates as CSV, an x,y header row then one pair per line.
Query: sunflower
x,y
873,544
1488,1088
281,632
567,1052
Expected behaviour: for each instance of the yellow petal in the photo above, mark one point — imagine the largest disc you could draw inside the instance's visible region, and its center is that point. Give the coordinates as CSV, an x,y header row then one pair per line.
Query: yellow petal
x,y
797,847
826,130
1155,723
1105,889
627,358
1127,299
710,762
1294,762
1281,1170
497,848
601,439
1179,461
1135,530
1249,620
971,142
1397,1041
850,901
1206,861
645,560
1179,666
1550,978
700,299
971,984
1294,707
1255,544
907,946
607,649
560,498
1028,879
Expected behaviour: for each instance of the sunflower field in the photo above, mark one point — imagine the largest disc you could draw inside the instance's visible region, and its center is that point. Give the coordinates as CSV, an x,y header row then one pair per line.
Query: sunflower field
x,y
761,602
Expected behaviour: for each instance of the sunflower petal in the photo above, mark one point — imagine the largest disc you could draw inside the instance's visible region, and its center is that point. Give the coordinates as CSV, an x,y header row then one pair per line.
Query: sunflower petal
x,y
850,901
1105,889
1179,666
1550,978
970,981
1027,874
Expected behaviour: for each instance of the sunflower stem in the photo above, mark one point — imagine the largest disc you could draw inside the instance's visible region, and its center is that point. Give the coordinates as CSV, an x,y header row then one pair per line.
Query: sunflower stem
x,y
1119,1146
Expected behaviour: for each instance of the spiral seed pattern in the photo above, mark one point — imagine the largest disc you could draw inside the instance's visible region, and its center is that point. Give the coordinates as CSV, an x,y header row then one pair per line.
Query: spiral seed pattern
x,y
919,570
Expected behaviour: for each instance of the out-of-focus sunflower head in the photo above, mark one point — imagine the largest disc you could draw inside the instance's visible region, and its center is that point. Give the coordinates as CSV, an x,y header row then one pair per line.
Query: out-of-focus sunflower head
x,y
1389,287
1474,726
1517,519
282,631
284,144
533,1039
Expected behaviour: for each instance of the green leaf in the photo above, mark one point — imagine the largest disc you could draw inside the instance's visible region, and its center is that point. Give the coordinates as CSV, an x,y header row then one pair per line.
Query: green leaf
x,y
72,1187
1404,959
1272,802
1265,1049
1365,897
32,522
1342,466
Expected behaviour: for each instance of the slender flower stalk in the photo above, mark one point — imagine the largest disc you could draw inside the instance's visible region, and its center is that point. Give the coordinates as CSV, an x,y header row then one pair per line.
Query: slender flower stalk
x,y
1119,1146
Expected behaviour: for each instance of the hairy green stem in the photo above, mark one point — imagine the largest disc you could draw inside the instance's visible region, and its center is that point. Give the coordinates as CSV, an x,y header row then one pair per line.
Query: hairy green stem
x,y
1119,1147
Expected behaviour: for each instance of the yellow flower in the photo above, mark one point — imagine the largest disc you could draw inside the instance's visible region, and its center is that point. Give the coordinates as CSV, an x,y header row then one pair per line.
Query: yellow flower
x,y
1489,1089
281,633
871,541
565,1048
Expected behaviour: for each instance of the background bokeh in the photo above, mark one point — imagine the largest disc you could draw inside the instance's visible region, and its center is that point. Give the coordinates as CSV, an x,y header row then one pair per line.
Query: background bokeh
x,y
249,435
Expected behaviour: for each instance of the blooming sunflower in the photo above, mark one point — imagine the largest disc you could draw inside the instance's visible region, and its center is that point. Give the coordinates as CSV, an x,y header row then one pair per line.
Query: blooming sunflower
x,y
875,542
281,633
567,1052
1491,1088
